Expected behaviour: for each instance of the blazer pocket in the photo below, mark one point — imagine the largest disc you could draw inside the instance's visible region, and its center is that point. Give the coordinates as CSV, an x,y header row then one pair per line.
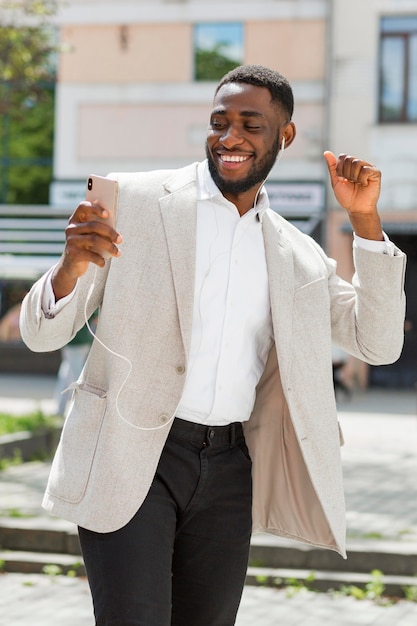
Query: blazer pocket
x,y
75,453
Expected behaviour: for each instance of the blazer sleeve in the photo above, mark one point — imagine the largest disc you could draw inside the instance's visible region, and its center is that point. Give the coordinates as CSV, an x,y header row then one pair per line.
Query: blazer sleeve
x,y
44,334
368,315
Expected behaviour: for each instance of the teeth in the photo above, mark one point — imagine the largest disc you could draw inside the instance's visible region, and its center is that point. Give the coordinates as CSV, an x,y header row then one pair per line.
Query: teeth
x,y
233,159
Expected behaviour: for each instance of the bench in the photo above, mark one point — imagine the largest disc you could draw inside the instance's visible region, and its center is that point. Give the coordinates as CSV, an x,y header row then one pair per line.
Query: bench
x,y
31,240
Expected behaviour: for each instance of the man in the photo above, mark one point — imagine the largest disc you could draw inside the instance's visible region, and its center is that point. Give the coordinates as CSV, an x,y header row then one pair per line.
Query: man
x,y
215,312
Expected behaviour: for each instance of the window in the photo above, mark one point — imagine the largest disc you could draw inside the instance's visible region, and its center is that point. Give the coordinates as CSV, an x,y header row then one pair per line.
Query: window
x,y
398,69
218,48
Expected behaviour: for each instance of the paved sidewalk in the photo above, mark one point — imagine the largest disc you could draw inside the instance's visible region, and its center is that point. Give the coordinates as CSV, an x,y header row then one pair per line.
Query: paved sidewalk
x,y
380,464
36,600
25,393
380,468
379,458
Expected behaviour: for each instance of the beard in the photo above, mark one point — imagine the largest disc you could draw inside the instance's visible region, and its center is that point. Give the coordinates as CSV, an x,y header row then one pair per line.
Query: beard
x,y
257,175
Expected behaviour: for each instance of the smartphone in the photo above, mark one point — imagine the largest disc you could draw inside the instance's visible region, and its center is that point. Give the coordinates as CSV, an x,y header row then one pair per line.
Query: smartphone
x,y
103,191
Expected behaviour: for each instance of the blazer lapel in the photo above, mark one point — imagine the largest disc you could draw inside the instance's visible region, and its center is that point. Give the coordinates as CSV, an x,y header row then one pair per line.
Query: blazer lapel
x,y
179,216
281,284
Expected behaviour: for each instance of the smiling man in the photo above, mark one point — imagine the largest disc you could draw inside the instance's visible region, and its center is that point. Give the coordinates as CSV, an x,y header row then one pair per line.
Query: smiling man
x,y
206,408
247,126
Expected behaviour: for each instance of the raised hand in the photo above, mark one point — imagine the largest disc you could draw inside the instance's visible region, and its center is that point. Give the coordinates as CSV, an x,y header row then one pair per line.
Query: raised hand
x,y
356,185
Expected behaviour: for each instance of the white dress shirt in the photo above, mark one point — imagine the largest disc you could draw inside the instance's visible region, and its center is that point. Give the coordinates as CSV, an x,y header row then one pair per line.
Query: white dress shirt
x,y
232,328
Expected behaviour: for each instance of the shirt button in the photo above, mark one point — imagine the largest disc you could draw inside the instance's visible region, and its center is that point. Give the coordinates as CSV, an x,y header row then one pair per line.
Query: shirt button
x,y
163,418
180,369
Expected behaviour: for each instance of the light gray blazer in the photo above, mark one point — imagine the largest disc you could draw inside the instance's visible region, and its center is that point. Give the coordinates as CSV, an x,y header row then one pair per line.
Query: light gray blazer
x,y
104,465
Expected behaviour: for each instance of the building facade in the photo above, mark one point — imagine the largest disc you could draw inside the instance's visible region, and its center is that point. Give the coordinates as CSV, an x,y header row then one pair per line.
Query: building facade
x,y
373,114
134,88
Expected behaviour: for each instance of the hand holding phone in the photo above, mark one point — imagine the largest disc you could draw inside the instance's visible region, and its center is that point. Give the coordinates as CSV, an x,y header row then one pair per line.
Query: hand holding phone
x,y
82,245
103,191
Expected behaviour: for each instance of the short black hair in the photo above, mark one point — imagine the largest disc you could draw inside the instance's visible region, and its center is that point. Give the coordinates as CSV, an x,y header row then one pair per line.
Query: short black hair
x,y
260,76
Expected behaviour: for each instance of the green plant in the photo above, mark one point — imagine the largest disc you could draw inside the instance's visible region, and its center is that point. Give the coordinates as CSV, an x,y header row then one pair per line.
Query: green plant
x,y
31,422
10,462
295,585
16,513
352,590
73,572
373,590
373,535
261,580
52,570
27,81
410,592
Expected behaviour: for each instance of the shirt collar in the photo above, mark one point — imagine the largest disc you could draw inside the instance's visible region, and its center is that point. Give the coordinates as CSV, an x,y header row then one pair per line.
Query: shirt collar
x,y
208,190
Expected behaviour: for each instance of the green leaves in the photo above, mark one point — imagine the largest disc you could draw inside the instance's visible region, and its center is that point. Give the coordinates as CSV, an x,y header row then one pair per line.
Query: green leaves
x,y
27,80
26,62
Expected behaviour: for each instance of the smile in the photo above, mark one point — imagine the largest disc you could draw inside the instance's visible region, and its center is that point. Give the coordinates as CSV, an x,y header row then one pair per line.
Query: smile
x,y
228,158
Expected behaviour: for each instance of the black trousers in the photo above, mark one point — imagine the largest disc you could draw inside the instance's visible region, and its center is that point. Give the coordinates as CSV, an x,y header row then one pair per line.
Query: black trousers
x,y
182,559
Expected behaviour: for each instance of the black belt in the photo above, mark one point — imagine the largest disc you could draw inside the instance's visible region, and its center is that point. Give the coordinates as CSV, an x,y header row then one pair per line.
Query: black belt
x,y
207,435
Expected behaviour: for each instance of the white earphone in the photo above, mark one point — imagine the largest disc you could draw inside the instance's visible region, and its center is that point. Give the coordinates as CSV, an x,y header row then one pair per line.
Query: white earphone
x,y
281,150
123,358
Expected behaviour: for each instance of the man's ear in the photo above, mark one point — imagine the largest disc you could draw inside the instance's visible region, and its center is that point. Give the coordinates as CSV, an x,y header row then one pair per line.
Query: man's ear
x,y
289,133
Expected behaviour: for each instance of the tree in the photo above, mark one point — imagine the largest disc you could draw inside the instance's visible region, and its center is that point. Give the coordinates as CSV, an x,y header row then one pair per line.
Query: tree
x,y
27,82
212,64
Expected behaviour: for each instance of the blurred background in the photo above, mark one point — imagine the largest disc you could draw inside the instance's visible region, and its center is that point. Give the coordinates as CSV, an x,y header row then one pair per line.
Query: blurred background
x,y
95,86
